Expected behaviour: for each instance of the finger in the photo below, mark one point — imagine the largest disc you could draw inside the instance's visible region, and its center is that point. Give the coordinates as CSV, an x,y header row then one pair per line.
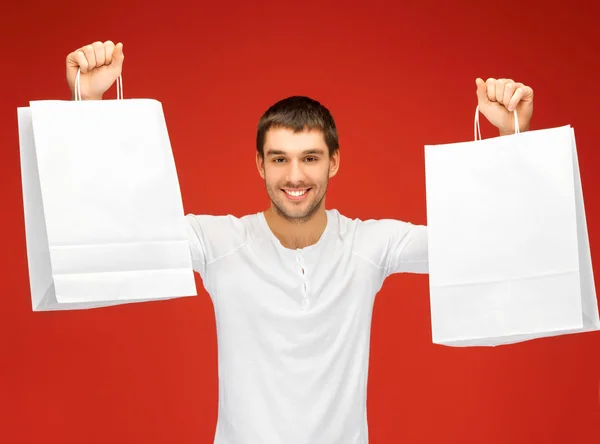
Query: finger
x,y
491,89
527,93
109,48
72,59
509,91
81,61
118,56
515,99
88,51
500,84
99,53
499,90
482,97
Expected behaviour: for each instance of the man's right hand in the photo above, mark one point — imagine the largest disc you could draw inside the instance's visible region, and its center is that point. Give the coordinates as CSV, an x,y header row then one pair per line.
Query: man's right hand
x,y
100,63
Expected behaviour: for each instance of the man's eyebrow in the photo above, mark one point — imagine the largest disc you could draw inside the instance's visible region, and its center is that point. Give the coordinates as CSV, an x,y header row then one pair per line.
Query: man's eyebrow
x,y
274,152
313,151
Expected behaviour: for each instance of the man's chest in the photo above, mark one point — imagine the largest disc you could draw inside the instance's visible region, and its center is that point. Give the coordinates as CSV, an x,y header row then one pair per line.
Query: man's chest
x,y
293,285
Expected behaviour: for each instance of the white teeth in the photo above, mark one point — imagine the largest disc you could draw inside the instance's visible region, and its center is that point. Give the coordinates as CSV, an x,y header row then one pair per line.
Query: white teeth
x,y
296,193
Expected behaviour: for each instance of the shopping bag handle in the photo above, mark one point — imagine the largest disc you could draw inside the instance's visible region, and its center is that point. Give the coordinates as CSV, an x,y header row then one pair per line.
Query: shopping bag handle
x,y
477,129
78,86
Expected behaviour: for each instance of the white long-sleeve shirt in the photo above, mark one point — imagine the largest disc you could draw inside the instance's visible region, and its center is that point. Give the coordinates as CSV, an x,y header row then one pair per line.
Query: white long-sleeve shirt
x,y
293,325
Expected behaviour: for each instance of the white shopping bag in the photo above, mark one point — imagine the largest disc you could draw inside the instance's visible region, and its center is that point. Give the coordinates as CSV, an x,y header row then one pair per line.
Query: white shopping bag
x,y
509,256
104,217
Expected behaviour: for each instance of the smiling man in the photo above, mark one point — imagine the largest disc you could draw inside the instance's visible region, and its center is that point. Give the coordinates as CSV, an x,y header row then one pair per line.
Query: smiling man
x,y
297,152
293,286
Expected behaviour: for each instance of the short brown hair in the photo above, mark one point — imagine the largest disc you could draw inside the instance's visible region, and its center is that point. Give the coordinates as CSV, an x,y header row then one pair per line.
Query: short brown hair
x,y
298,113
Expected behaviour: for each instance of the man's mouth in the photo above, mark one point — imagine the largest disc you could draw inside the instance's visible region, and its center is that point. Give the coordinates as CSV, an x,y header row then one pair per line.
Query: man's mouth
x,y
296,194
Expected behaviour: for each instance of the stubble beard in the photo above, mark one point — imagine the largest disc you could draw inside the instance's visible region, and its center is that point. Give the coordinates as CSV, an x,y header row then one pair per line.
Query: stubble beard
x,y
296,218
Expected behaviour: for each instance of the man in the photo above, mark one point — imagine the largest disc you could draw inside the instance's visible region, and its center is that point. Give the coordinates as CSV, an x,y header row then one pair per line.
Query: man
x,y
293,287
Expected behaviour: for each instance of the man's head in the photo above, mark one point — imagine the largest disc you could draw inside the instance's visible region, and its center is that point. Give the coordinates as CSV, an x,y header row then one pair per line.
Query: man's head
x,y
297,153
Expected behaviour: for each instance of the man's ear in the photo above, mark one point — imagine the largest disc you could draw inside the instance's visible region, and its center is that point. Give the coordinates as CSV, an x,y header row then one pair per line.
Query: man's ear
x,y
260,164
334,163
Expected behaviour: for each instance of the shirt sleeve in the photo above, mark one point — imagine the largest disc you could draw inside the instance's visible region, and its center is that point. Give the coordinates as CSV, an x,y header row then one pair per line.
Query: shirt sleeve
x,y
198,244
213,237
394,246
408,251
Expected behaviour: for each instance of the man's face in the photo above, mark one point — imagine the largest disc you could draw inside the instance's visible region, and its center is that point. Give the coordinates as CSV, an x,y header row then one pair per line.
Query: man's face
x,y
296,168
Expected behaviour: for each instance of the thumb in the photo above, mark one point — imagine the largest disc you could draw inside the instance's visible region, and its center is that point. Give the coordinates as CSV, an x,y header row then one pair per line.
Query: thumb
x,y
482,97
118,57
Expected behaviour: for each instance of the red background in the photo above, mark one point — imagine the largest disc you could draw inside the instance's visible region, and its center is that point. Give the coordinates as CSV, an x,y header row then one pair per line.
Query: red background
x,y
396,77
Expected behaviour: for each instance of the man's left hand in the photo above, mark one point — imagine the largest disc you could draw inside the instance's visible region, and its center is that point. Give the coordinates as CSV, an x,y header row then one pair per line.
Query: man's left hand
x,y
498,98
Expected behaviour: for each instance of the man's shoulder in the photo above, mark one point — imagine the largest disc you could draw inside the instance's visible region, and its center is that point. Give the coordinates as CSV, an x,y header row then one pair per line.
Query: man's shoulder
x,y
367,226
387,243
221,234
368,234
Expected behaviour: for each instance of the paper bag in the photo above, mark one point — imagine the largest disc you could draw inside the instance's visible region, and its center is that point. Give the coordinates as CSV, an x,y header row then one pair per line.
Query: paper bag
x,y
104,219
509,256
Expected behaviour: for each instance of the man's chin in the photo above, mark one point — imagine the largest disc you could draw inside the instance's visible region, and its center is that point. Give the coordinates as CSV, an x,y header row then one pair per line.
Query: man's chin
x,y
299,212
295,215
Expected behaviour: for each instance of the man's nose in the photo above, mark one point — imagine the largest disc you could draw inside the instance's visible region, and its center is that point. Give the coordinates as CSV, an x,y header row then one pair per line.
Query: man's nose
x,y
295,173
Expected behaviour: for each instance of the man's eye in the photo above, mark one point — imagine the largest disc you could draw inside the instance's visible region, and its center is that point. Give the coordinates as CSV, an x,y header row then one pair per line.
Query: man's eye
x,y
311,159
278,160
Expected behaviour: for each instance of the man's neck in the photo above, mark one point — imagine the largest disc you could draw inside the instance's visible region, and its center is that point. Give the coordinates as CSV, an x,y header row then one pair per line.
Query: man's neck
x,y
296,235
